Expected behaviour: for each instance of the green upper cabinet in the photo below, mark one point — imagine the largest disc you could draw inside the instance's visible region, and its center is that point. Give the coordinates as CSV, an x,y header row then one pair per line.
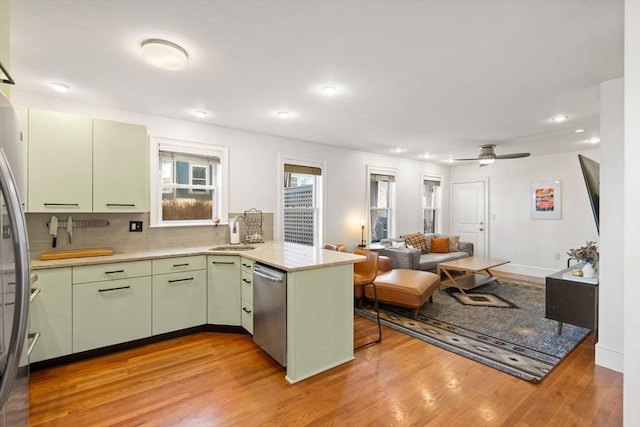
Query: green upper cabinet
x,y
120,167
80,164
59,162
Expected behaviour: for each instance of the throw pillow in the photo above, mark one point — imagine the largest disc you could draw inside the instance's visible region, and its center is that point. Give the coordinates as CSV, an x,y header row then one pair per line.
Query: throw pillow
x,y
453,243
418,241
398,245
440,245
429,239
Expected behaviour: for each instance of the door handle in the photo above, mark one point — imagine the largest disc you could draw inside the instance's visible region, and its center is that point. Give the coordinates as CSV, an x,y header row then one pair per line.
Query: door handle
x,y
480,229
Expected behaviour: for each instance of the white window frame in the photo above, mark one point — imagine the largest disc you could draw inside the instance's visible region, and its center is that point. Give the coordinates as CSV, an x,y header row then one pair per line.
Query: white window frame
x,y
382,170
206,177
438,209
293,159
189,148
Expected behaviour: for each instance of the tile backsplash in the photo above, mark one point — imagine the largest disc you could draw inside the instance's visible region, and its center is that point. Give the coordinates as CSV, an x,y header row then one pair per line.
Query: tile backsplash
x,y
117,235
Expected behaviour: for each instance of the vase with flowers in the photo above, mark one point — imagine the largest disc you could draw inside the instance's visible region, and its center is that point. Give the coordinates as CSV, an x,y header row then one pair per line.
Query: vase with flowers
x,y
587,254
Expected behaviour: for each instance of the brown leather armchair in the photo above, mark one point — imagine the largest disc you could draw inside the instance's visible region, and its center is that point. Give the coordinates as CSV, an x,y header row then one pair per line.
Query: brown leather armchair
x,y
364,274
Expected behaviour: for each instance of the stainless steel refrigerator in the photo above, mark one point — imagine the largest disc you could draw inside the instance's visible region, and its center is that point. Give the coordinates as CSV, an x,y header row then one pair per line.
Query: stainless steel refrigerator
x,y
15,274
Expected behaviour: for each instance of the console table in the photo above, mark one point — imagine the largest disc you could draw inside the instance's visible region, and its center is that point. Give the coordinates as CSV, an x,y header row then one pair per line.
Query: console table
x,y
572,299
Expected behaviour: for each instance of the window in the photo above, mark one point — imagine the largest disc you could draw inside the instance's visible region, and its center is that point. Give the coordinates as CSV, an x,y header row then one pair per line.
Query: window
x,y
189,183
302,220
382,204
431,205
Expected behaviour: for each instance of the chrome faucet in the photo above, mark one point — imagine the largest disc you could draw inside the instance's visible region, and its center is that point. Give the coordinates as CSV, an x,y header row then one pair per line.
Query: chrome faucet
x,y
234,236
235,221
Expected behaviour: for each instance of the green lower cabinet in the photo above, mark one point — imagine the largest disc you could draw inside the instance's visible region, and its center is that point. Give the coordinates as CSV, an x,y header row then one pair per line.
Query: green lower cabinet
x,y
223,290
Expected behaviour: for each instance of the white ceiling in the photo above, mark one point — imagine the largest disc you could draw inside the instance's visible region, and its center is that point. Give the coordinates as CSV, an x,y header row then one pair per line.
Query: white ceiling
x,y
437,77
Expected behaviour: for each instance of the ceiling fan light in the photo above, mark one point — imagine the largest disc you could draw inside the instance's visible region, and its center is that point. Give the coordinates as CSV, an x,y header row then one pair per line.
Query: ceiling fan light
x,y
487,161
164,54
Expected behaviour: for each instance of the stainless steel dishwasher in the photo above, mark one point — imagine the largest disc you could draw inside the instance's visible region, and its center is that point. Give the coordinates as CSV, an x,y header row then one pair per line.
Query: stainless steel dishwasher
x,y
270,311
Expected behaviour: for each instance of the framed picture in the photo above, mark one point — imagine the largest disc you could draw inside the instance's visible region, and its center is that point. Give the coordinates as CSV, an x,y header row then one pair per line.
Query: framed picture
x,y
546,200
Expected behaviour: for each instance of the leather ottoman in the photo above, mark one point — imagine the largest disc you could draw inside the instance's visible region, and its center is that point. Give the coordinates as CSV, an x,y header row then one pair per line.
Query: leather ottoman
x,y
405,288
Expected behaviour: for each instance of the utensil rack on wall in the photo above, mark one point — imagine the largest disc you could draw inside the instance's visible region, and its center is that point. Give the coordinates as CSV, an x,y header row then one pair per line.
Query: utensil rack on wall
x,y
84,223
253,226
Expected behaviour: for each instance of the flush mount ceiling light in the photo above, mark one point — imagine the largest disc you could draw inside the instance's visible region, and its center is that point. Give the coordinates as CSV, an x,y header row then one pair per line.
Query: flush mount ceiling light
x,y
164,54
59,87
579,130
559,119
283,114
594,140
200,114
399,150
328,90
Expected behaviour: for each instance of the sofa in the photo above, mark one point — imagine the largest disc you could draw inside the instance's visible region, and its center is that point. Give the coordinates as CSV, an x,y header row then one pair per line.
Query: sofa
x,y
404,254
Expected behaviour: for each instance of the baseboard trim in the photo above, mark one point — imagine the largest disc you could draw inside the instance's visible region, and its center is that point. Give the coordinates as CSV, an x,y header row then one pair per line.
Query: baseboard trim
x,y
610,359
526,270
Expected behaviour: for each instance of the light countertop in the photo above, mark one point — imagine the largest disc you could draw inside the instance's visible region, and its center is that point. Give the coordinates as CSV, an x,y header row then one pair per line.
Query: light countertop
x,y
285,256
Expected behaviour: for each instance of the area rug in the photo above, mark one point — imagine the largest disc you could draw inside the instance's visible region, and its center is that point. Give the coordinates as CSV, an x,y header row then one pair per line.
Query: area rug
x,y
519,341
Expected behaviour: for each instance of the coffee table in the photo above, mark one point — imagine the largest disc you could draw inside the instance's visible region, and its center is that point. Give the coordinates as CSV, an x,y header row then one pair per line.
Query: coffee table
x,y
473,265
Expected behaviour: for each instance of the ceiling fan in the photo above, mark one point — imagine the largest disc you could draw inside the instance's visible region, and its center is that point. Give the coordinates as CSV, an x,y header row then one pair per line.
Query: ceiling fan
x,y
488,155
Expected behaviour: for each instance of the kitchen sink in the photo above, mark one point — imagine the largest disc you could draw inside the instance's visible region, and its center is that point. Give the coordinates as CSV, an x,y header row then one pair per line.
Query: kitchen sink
x,y
232,248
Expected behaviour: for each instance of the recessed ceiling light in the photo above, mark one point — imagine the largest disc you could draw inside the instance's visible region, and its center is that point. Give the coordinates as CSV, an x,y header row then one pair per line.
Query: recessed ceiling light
x,y
283,114
164,54
200,113
399,150
594,140
579,130
558,119
426,156
60,87
329,90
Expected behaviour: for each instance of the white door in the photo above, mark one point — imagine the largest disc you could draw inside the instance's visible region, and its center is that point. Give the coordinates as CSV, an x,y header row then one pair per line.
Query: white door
x,y
469,214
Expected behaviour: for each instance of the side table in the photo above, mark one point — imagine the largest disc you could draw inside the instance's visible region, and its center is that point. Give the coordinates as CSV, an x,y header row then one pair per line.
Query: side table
x,y
572,299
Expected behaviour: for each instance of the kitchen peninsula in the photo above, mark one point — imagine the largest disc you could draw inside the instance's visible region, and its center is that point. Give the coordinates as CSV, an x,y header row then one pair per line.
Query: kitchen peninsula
x,y
319,295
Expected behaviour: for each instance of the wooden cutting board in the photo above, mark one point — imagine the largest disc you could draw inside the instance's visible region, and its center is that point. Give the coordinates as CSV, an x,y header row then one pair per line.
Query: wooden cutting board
x,y
75,253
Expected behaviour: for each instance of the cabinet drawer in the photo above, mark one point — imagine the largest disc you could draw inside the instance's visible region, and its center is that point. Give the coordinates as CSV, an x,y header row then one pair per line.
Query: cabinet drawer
x,y
176,265
247,286
247,316
111,313
230,261
179,301
247,265
114,271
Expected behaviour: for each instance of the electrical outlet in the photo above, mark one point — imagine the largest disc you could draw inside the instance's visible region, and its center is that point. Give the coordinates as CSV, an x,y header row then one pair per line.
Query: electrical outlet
x,y
135,226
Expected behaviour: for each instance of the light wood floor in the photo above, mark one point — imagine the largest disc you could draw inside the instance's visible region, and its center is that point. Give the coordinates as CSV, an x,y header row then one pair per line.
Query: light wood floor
x,y
214,379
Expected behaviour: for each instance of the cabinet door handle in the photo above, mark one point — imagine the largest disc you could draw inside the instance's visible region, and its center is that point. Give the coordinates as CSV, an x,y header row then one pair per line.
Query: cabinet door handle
x,y
246,281
246,311
246,265
181,265
61,204
180,280
121,205
114,289
223,262
114,271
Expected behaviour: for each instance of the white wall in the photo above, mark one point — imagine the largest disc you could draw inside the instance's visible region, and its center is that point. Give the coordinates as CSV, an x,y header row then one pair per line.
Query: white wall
x,y
535,247
609,351
254,173
631,210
